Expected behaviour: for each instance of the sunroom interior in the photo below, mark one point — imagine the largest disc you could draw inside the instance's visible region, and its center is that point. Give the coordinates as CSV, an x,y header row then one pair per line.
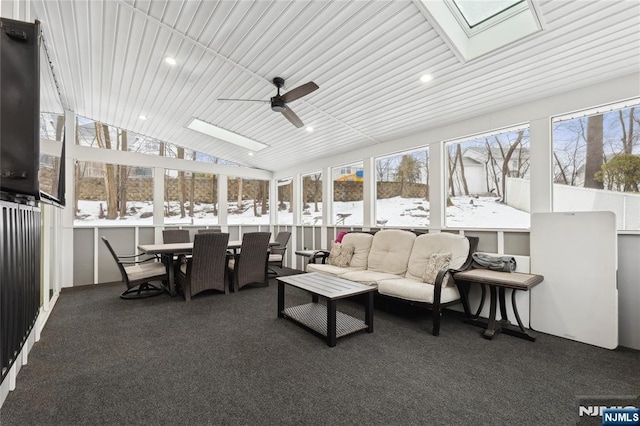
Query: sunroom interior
x,y
466,117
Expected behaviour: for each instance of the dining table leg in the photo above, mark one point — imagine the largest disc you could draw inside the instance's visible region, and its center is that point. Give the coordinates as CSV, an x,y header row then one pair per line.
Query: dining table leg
x,y
171,279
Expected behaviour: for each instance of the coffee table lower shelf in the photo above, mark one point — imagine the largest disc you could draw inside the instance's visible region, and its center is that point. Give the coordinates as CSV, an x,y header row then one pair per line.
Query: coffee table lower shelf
x,y
314,317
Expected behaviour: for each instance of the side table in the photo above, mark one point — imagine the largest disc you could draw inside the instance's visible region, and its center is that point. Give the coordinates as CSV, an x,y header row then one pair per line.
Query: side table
x,y
498,282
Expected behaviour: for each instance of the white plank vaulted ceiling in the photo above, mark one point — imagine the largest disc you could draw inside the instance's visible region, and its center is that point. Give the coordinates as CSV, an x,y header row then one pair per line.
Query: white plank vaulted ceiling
x,y
366,56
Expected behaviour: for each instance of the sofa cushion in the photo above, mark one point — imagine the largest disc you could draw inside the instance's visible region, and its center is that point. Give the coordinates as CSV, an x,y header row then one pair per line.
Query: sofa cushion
x,y
390,251
362,244
329,269
340,255
409,289
428,244
435,262
367,277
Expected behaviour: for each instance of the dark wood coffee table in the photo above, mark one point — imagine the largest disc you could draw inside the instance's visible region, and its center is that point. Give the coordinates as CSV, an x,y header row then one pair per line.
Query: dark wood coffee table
x,y
326,321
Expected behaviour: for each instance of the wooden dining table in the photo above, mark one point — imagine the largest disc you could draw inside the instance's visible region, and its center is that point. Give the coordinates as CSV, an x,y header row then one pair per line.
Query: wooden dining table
x,y
168,251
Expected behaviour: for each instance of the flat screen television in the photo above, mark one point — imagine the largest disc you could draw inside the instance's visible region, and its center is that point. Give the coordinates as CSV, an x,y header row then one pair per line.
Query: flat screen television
x,y
19,109
32,147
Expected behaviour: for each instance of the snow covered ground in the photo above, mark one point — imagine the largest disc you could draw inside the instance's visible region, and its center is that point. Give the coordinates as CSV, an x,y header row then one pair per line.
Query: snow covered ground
x,y
467,212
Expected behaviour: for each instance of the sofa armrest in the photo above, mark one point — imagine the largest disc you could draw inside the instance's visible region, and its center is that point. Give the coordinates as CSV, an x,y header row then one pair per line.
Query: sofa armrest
x,y
320,254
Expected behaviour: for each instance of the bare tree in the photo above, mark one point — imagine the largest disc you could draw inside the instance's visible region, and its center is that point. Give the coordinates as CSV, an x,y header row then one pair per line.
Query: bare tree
x,y
382,169
291,197
628,137
465,187
453,159
265,196
317,190
239,203
506,159
109,172
182,190
595,151
123,177
491,161
192,192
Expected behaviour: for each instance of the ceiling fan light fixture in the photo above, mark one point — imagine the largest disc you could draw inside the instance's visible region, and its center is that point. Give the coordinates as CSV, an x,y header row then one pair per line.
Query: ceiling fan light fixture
x,y
225,135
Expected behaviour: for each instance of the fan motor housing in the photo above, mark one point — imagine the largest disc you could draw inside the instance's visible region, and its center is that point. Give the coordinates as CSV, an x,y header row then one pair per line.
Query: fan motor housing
x,y
277,104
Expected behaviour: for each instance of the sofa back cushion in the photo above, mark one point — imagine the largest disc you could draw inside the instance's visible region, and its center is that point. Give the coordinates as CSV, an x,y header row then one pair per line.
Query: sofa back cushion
x,y
361,243
390,251
428,244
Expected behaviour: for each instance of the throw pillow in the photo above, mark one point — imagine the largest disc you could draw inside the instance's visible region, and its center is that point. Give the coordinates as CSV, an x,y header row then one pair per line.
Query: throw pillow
x,y
341,234
340,255
435,262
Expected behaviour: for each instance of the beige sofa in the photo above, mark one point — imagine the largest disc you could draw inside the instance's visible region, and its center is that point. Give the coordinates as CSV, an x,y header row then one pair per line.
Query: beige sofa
x,y
395,261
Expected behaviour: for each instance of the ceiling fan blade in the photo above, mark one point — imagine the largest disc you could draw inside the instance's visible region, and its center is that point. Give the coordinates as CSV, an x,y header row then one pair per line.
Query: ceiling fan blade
x,y
292,117
300,91
243,100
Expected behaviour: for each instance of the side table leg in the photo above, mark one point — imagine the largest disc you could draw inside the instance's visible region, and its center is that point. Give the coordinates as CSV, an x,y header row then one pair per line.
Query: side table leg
x,y
368,312
525,334
503,305
331,322
280,299
491,325
477,314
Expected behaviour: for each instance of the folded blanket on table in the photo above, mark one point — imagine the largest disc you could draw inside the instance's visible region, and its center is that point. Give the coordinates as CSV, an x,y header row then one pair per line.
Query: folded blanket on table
x,y
494,262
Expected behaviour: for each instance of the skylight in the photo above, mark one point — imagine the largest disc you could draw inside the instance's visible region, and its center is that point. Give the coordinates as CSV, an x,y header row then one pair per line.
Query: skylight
x,y
476,27
476,12
225,135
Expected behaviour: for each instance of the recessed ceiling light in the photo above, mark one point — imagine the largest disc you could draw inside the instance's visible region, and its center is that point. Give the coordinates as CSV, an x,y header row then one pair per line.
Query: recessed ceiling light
x,y
225,135
250,154
170,60
309,129
142,117
425,78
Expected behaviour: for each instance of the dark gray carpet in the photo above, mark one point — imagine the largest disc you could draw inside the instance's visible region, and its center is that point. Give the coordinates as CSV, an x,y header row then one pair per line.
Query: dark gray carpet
x,y
229,360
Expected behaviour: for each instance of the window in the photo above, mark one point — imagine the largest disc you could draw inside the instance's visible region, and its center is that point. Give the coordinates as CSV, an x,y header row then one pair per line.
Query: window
x,y
190,198
285,201
348,194
51,126
596,162
248,201
312,199
488,180
94,134
402,189
113,194
52,129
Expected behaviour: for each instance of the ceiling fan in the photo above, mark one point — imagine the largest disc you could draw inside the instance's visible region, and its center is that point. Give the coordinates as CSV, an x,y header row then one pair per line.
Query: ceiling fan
x,y
279,102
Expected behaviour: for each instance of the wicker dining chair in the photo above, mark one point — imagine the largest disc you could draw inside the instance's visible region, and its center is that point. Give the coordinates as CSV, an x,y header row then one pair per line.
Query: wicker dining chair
x,y
250,265
138,274
276,255
171,236
206,269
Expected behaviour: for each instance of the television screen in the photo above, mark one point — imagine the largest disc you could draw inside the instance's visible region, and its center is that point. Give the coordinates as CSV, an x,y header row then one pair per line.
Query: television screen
x,y
19,108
